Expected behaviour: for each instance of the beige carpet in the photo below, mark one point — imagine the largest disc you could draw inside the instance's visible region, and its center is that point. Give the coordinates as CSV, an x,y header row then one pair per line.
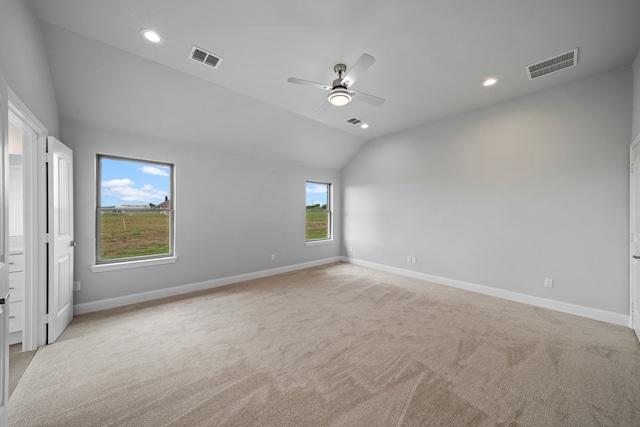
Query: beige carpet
x,y
337,345
18,362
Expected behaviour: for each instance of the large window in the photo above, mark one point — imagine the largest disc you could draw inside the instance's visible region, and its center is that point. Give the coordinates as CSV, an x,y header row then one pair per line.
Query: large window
x,y
134,218
318,211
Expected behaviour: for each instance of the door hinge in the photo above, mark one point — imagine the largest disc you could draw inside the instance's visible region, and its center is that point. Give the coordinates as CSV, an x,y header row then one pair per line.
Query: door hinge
x,y
45,157
45,319
632,168
46,238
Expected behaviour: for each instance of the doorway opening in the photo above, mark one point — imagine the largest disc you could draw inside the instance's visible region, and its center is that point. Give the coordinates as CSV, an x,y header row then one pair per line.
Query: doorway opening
x,y
27,224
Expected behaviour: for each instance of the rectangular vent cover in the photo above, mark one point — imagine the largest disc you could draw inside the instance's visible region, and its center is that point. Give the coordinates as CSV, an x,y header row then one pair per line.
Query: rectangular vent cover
x,y
354,121
204,57
551,65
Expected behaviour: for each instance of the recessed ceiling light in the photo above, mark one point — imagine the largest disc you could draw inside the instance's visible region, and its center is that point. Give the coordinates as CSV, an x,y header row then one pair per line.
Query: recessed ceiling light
x,y
490,82
364,126
150,35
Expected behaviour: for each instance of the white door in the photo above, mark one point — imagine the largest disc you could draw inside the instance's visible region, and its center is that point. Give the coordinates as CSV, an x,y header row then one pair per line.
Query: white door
x,y
4,254
635,236
61,244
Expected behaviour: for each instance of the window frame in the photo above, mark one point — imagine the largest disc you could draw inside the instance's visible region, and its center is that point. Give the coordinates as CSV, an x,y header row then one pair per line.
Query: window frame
x,y
329,238
136,261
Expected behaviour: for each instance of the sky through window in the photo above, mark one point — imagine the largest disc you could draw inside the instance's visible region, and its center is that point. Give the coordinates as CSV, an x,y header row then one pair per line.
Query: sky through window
x,y
126,182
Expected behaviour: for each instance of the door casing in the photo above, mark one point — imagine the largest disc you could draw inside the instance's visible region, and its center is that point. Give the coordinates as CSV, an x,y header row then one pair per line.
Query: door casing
x,y
35,224
4,254
634,264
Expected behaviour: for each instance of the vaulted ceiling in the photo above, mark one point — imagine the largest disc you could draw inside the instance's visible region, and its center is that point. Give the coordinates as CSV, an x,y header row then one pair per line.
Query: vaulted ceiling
x,y
431,59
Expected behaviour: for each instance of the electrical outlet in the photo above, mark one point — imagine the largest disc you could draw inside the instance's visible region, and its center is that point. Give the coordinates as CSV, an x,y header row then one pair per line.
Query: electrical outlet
x,y
76,286
409,259
413,260
273,257
548,283
350,248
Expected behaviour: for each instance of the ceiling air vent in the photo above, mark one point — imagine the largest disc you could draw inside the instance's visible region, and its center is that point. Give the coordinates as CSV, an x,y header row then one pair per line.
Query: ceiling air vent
x,y
354,121
552,65
204,57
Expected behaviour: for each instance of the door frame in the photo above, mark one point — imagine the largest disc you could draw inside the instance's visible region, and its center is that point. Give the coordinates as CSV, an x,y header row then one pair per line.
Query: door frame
x,y
34,334
633,235
4,253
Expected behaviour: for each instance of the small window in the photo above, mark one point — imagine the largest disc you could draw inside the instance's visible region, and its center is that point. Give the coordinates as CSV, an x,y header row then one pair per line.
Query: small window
x,y
135,214
318,210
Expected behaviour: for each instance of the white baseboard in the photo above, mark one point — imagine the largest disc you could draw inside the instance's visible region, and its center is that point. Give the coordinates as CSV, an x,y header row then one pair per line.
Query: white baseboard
x,y
105,304
578,310
15,337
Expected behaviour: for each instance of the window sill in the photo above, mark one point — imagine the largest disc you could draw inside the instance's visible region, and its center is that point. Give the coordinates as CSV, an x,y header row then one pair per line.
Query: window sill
x,y
318,242
133,264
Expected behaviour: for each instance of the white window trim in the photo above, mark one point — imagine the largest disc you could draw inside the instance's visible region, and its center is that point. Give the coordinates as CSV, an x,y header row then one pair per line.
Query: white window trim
x,y
121,265
329,239
319,242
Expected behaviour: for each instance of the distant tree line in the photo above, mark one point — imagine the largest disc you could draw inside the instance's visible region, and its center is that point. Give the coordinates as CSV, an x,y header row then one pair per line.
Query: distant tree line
x,y
317,206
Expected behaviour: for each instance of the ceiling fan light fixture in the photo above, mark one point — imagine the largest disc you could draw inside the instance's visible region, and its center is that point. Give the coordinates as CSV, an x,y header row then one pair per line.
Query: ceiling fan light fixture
x,y
339,96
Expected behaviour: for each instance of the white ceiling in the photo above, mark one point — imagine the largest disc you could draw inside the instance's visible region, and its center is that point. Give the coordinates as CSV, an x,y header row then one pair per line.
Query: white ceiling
x,y
431,58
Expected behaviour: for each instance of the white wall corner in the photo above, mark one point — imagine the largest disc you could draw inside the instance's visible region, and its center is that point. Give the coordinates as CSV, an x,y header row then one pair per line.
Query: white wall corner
x,y
577,310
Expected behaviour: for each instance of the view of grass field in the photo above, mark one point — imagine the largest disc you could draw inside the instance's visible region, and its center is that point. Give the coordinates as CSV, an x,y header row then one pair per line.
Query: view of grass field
x,y
317,224
132,234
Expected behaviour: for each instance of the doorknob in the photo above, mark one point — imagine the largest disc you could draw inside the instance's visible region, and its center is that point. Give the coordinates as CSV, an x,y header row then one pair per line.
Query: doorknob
x,y
73,243
636,257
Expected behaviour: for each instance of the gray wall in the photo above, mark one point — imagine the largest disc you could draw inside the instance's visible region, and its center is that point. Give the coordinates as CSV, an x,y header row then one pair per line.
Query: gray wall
x,y
636,98
232,213
23,62
506,195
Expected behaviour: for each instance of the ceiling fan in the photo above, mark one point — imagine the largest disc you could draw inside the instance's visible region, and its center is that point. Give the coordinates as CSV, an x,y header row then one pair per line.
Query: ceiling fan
x,y
339,91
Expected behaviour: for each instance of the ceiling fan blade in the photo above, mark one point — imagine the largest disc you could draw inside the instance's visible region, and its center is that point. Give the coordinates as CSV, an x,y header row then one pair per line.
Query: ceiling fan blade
x,y
323,107
369,99
358,69
308,83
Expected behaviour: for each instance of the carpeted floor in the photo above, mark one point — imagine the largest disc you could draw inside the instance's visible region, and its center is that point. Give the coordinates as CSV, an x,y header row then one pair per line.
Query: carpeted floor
x,y
18,362
337,345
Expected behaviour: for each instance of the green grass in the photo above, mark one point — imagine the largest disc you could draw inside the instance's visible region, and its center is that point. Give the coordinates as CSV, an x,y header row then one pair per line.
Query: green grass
x,y
134,234
317,225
